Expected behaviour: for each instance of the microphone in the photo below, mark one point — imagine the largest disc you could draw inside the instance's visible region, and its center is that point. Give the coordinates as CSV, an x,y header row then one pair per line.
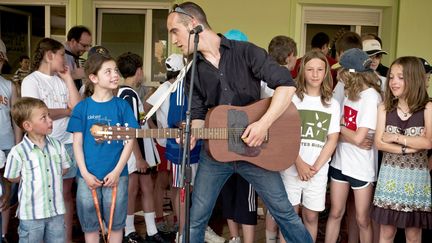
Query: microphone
x,y
198,29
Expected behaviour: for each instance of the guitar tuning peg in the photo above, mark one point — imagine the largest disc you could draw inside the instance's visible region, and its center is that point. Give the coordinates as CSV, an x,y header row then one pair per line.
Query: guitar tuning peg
x,y
127,137
117,124
118,137
108,142
126,124
110,138
110,128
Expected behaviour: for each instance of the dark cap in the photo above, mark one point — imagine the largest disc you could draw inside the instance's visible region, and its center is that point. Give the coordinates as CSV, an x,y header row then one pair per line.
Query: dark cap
x,y
98,49
355,60
426,65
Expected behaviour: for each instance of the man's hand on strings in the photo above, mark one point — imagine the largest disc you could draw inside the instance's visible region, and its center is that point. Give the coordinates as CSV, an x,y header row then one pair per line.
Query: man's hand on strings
x,y
255,134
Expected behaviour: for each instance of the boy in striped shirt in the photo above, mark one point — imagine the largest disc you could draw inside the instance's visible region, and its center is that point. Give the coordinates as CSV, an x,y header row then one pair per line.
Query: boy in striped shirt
x,y
38,163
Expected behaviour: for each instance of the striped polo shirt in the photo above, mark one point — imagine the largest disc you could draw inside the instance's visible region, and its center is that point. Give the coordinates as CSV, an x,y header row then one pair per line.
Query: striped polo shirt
x,y
41,185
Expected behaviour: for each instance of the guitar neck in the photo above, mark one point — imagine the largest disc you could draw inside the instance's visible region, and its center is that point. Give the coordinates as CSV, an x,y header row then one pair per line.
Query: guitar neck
x,y
200,133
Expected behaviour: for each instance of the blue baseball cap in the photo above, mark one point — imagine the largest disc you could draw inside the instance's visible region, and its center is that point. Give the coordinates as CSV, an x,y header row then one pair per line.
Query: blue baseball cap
x,y
236,35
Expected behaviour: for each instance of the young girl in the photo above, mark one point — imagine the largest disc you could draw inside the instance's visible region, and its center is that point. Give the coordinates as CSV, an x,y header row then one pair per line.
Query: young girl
x,y
355,163
52,82
404,131
101,165
305,181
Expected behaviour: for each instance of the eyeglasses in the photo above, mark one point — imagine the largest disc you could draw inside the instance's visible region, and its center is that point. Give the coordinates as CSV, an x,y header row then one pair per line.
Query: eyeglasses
x,y
85,46
177,9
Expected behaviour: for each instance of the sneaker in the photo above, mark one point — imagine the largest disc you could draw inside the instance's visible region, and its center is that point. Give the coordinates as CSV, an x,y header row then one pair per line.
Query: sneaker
x,y
4,240
157,238
133,237
235,240
164,228
212,237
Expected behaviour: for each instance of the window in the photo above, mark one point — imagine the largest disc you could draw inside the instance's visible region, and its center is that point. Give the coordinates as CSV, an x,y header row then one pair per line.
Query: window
x,y
31,23
334,21
136,27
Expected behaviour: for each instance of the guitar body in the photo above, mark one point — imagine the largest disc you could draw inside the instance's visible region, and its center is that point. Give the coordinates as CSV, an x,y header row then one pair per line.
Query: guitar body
x,y
277,153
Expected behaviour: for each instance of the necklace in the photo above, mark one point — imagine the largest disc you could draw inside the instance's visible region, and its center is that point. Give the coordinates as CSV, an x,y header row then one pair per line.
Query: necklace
x,y
405,114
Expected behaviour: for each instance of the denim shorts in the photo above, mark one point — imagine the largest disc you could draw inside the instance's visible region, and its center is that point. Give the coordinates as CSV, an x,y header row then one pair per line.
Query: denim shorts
x,y
48,230
86,209
72,171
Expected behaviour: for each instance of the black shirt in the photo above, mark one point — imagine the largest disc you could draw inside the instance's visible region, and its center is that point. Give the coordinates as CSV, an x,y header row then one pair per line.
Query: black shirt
x,y
382,70
242,66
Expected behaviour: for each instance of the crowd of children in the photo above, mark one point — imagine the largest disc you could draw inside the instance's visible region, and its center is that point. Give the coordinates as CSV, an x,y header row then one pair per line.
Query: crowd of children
x,y
368,130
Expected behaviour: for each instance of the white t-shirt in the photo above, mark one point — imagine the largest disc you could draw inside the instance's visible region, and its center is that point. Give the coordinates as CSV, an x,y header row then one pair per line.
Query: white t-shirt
x,y
317,121
7,138
339,93
266,91
2,164
162,112
52,90
351,160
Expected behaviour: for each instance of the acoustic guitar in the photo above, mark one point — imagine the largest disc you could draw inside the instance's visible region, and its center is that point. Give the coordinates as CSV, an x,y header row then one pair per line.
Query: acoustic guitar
x,y
224,126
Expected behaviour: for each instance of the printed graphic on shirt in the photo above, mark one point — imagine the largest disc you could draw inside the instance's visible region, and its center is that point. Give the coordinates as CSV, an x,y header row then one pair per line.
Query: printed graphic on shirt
x,y
315,125
4,100
350,118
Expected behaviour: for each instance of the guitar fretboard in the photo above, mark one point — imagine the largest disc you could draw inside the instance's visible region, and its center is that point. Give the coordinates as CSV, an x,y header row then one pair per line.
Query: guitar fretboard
x,y
201,133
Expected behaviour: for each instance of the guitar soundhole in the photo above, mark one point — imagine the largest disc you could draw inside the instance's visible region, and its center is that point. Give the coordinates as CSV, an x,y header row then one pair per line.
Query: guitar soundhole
x,y
237,123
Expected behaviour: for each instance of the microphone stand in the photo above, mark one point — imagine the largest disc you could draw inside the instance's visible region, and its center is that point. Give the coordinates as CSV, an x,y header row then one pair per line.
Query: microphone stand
x,y
186,168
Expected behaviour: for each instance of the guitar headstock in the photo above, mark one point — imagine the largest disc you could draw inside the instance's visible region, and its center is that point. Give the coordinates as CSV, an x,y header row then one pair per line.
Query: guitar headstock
x,y
108,133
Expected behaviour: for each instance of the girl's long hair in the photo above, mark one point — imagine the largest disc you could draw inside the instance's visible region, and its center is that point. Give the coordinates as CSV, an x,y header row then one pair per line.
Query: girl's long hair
x,y
92,66
355,81
327,84
415,92
44,45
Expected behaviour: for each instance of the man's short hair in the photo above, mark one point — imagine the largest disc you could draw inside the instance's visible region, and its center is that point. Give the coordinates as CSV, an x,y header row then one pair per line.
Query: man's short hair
x,y
194,10
22,109
76,32
128,63
347,41
319,40
280,47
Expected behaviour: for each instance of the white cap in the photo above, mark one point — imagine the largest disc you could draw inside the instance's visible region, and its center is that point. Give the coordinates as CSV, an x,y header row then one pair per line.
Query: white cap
x,y
3,50
372,47
174,63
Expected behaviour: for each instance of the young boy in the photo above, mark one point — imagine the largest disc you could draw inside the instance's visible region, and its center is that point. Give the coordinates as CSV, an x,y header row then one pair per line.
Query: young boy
x,y
130,66
22,71
38,163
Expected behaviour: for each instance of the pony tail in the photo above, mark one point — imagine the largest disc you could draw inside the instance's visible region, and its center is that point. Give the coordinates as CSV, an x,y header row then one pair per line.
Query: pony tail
x,y
37,59
44,45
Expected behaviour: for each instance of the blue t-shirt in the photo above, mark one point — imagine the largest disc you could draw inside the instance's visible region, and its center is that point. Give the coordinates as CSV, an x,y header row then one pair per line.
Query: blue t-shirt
x,y
101,157
176,115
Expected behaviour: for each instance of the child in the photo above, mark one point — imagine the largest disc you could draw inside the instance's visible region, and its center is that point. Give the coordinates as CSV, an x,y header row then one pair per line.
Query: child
x,y
130,66
10,135
22,72
101,165
283,50
38,163
173,64
353,164
4,188
404,131
306,181
52,82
